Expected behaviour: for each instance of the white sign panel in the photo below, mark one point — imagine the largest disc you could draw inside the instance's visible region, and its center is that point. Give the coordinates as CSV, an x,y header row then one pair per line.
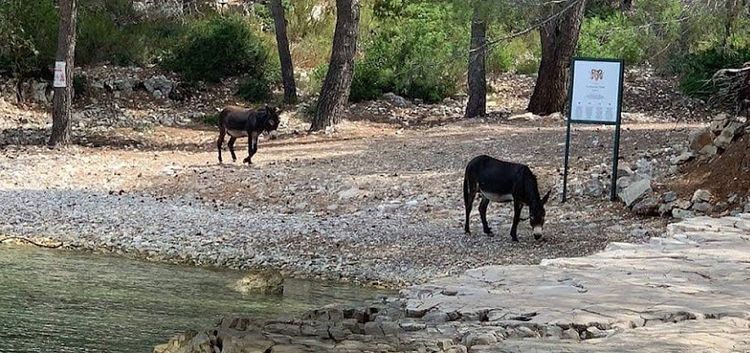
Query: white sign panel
x,y
60,79
595,95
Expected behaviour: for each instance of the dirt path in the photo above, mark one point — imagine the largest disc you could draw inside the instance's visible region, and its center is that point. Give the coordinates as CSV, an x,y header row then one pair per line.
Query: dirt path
x,y
373,203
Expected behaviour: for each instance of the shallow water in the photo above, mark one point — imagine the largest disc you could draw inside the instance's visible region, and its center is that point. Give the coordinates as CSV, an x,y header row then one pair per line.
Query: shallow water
x,y
63,301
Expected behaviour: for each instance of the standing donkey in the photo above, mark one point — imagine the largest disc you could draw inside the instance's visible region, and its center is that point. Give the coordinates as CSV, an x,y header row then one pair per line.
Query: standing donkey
x,y
501,181
239,122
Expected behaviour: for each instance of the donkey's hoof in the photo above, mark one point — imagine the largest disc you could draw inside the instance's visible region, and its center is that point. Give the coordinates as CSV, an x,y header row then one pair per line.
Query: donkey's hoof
x,y
489,233
515,239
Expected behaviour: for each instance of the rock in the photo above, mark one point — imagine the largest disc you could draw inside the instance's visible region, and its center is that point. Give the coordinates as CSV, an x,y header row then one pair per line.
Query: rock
x,y
351,193
478,339
727,135
644,167
702,207
718,123
594,187
571,334
683,204
682,158
682,214
648,206
701,195
665,209
699,139
157,94
746,209
435,317
264,282
635,192
553,331
594,332
396,100
709,150
158,83
623,171
720,207
669,196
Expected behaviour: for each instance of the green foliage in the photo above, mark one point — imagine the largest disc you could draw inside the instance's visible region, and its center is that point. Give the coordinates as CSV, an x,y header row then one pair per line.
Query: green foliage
x,y
210,119
254,90
101,39
696,69
80,85
520,55
413,53
611,37
219,47
29,36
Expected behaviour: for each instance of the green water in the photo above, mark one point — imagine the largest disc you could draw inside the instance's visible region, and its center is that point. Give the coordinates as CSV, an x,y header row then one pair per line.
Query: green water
x,y
62,301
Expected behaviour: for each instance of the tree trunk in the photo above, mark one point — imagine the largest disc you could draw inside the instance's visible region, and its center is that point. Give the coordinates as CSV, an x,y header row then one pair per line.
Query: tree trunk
x,y
63,97
285,57
334,95
477,105
559,39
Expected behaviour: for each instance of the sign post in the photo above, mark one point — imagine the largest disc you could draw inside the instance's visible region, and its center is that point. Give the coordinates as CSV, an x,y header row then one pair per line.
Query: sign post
x,y
595,97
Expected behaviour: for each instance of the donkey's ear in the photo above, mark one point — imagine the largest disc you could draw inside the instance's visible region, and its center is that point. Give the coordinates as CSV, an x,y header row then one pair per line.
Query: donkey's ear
x,y
546,197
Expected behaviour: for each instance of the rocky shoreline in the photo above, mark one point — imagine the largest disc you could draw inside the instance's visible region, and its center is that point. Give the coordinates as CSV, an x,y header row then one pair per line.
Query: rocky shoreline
x,y
686,291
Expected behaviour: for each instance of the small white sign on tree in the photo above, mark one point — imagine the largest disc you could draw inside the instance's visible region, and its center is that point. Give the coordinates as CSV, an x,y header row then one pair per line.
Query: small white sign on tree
x,y
60,80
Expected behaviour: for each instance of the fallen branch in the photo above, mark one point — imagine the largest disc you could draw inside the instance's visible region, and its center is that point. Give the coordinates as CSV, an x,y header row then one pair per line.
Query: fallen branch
x,y
27,240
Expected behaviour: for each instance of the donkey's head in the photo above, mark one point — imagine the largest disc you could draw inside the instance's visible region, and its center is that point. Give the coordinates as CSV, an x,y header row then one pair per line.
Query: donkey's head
x,y
536,215
272,121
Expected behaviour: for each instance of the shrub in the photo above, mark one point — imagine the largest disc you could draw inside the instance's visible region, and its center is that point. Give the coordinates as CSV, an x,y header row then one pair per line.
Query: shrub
x,y
413,54
219,47
29,36
254,89
611,37
695,69
80,85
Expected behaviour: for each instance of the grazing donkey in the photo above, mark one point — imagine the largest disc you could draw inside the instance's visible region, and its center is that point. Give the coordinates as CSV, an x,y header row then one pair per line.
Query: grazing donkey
x,y
501,181
239,122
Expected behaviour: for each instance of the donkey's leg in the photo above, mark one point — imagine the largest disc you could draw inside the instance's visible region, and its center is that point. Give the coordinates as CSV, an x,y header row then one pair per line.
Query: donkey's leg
x,y
470,194
231,147
483,214
219,142
252,147
517,207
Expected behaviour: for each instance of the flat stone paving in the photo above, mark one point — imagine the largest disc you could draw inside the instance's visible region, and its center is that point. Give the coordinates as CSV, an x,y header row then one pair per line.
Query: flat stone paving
x,y
686,292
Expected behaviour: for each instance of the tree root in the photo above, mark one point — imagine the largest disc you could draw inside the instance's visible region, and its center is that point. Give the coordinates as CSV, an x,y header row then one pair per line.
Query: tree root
x,y
32,242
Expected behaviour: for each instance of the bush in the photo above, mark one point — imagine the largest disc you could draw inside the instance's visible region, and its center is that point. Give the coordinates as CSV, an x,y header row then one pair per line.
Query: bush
x,y
696,69
219,47
254,90
80,85
29,36
413,54
611,37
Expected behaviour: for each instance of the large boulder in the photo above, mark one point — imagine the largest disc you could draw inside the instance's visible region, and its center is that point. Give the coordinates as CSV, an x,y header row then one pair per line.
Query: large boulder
x,y
262,282
396,100
635,191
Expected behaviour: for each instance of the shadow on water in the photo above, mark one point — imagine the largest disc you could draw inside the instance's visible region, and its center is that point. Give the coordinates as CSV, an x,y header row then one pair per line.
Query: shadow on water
x,y
63,301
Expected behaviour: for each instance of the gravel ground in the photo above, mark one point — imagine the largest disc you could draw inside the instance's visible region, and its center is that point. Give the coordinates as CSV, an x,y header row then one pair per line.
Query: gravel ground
x,y
372,204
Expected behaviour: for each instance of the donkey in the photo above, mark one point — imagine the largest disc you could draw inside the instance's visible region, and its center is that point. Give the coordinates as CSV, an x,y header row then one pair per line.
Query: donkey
x,y
500,181
239,122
